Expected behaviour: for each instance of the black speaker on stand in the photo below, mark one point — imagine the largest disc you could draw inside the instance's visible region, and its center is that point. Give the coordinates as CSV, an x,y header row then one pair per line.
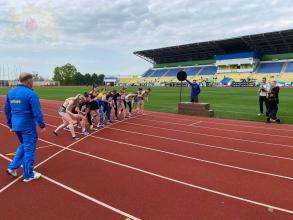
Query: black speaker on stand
x,y
181,76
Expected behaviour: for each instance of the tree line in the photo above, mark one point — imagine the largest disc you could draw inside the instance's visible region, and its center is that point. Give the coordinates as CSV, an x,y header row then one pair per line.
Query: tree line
x,y
68,75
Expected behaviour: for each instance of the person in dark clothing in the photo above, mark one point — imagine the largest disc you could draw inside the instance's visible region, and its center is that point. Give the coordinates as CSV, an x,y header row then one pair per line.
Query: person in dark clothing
x,y
275,90
273,102
108,104
272,109
195,90
115,97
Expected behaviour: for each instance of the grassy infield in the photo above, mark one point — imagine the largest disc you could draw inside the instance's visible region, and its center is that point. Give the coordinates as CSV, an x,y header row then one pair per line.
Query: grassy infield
x,y
236,103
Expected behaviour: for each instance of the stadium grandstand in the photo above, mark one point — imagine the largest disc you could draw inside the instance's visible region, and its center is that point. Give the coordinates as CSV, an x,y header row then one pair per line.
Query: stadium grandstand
x,y
242,61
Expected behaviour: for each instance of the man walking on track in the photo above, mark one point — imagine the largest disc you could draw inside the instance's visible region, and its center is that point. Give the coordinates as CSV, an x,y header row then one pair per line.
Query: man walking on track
x,y
195,90
23,111
263,90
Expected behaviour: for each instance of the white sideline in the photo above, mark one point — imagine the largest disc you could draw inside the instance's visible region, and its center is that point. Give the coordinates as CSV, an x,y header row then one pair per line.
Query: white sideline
x,y
196,133
194,158
186,184
182,183
195,143
178,155
213,121
221,129
210,135
195,123
205,145
57,153
80,194
163,115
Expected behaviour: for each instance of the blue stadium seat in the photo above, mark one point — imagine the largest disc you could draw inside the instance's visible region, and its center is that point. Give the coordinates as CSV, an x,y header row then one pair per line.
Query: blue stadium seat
x,y
159,73
148,73
289,68
173,72
208,70
192,71
275,67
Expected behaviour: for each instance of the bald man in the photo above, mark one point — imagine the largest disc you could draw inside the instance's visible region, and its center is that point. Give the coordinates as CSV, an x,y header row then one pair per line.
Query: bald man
x,y
23,111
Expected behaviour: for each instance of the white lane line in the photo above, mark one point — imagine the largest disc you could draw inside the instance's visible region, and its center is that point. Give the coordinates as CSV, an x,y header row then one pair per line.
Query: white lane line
x,y
194,158
209,135
166,115
38,148
204,145
182,156
80,194
214,121
202,134
186,184
219,129
183,183
49,158
64,148
52,116
210,146
195,123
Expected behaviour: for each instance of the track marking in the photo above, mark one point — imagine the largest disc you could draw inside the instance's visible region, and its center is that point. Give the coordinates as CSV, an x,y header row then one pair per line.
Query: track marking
x,y
90,198
80,194
11,183
214,121
52,116
210,146
38,148
209,135
237,121
205,145
165,115
185,183
221,129
195,123
64,148
223,137
194,158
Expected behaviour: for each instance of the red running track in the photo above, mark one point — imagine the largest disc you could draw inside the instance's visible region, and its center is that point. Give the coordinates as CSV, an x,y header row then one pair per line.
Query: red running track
x,y
155,166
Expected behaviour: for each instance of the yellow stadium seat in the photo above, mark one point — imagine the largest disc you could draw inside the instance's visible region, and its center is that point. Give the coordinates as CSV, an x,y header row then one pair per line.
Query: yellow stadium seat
x,y
287,77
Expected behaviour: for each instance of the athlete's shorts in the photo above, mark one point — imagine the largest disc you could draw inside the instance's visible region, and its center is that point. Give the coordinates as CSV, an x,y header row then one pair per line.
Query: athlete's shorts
x,y
62,110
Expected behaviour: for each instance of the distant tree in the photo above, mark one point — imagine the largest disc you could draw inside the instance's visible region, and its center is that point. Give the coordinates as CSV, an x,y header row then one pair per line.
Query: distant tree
x,y
78,79
65,74
68,75
57,75
87,79
101,78
95,79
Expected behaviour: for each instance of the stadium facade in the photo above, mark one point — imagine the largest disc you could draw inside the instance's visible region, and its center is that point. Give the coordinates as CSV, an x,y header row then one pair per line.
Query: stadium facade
x,y
242,60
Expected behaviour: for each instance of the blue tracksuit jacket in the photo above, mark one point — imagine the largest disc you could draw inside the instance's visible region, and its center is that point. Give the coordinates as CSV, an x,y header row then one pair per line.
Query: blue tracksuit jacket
x,y
23,109
195,89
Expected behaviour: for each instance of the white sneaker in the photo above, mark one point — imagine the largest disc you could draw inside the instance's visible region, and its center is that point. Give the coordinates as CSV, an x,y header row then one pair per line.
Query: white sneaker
x,y
36,176
85,133
259,114
12,172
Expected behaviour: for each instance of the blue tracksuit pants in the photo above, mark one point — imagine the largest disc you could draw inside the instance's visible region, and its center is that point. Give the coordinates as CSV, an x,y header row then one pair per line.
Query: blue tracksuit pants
x,y
25,154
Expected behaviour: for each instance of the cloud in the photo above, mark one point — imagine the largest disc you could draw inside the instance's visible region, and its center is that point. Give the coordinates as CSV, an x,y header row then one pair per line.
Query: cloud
x,y
123,26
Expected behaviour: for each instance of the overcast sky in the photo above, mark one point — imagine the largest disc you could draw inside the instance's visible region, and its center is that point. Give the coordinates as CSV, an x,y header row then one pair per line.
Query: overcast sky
x,y
101,35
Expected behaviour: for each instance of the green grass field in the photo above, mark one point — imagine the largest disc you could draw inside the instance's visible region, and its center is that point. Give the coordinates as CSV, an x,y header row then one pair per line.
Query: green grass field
x,y
235,103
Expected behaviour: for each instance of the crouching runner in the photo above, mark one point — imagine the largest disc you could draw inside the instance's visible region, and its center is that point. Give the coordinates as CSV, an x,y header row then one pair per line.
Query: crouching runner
x,y
68,117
